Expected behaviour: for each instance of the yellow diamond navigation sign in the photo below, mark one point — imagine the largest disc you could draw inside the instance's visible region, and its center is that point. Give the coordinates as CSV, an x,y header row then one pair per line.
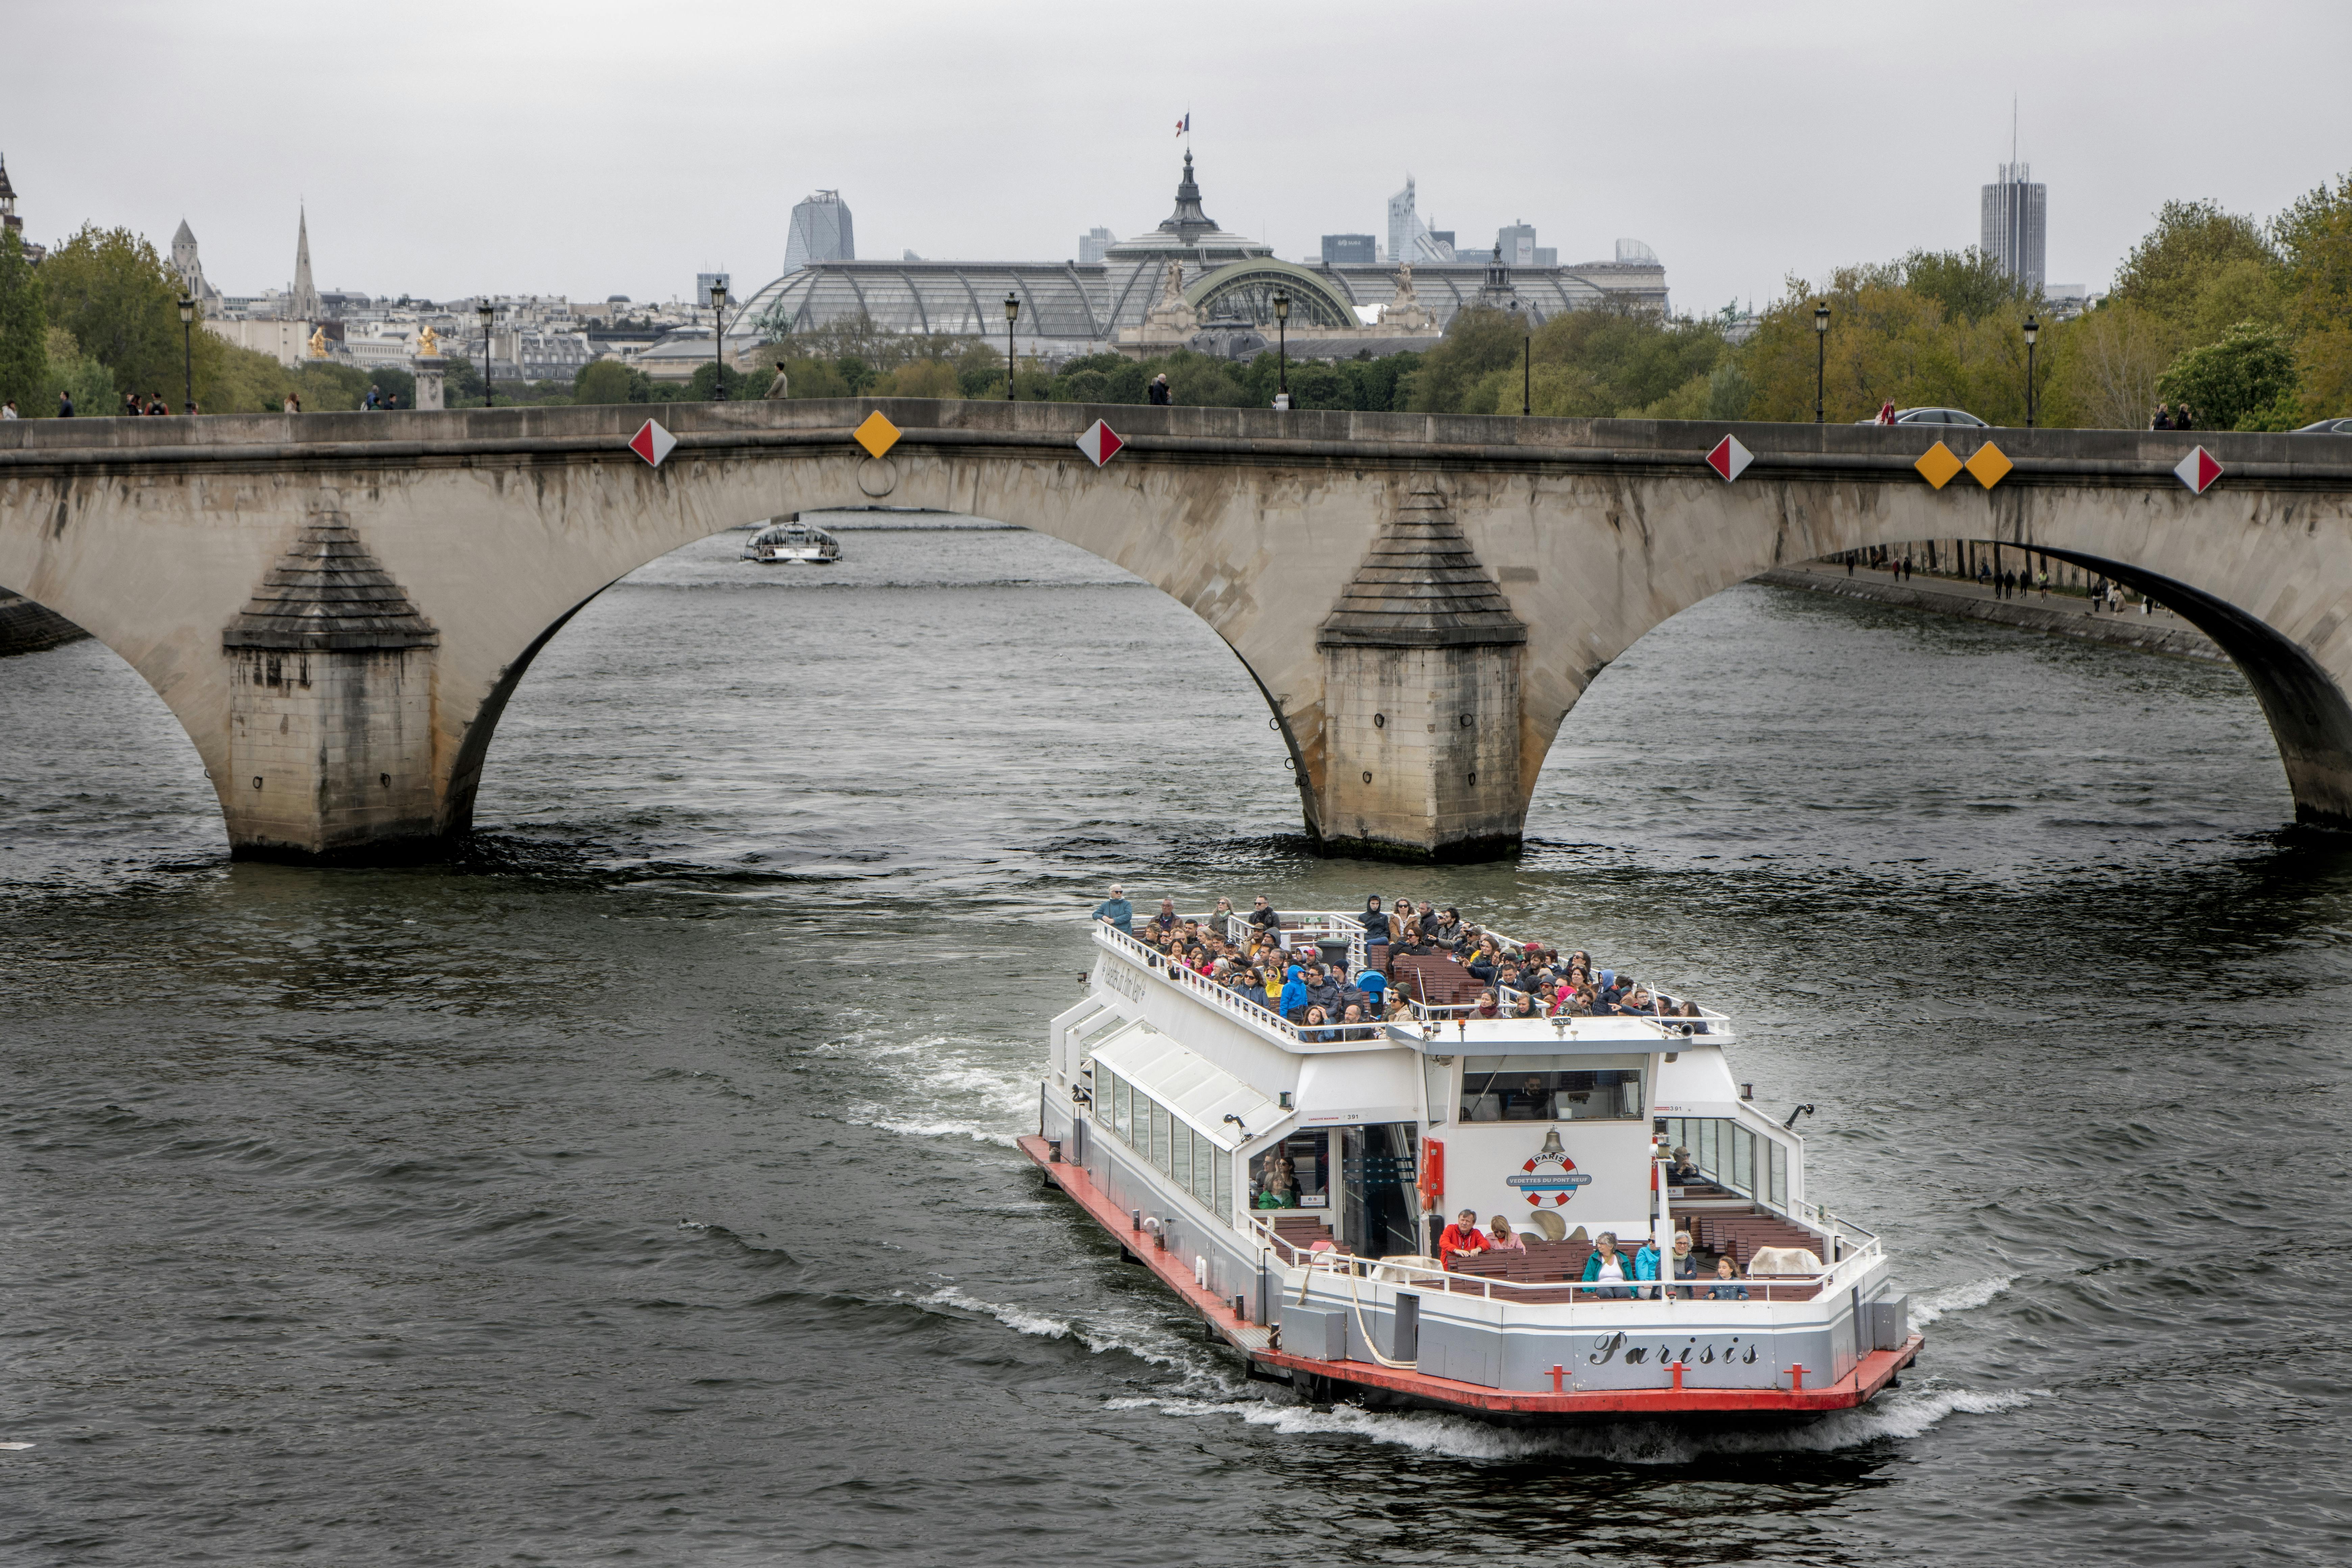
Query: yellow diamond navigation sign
x,y
877,435
1937,464
1988,463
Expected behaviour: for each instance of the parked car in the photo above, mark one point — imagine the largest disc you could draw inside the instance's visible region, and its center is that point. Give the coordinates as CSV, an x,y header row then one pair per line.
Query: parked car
x,y
2327,428
1933,417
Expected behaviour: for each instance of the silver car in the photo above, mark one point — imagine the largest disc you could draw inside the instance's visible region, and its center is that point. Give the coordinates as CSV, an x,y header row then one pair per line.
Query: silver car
x,y
1933,417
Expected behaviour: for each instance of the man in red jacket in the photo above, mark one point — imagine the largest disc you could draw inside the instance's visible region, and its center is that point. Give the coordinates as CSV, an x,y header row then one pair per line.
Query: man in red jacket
x,y
1461,1238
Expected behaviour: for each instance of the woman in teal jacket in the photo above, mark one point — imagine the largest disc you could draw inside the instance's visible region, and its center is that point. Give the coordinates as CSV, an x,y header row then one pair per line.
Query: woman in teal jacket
x,y
1607,1266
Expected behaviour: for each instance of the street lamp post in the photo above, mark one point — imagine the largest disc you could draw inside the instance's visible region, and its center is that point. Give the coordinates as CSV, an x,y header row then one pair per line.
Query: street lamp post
x,y
1281,349
2032,332
1012,314
1821,354
1528,369
718,340
485,311
188,350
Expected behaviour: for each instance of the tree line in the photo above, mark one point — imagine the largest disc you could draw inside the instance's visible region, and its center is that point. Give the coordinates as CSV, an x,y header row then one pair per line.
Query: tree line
x,y
2248,322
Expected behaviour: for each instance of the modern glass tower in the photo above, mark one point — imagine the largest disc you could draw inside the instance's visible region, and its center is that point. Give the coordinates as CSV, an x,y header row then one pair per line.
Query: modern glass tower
x,y
2014,228
821,232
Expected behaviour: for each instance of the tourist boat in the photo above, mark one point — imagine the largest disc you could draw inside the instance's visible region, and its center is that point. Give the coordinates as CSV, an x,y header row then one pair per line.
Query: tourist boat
x,y
1287,1181
802,544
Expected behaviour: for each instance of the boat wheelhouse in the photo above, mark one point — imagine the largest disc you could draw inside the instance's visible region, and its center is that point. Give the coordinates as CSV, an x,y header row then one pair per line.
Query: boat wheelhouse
x,y
792,543
1287,1181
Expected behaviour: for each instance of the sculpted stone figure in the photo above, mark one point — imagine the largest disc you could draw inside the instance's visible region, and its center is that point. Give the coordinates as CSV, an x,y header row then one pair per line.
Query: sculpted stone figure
x,y
1404,313
1169,315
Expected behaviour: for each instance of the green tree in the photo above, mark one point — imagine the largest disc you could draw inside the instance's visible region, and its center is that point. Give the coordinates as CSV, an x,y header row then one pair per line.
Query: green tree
x,y
2170,271
77,375
120,299
740,387
24,330
605,381
2315,236
1969,284
2237,383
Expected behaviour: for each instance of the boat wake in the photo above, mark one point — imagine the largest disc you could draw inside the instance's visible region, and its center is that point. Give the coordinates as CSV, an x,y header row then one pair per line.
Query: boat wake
x,y
937,1083
1935,1304
1900,1413
1145,1342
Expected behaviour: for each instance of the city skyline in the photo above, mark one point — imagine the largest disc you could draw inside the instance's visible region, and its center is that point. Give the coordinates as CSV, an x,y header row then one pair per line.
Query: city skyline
x,y
1704,153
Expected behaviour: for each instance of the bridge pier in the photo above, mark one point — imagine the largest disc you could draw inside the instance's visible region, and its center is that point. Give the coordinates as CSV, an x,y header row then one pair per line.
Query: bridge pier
x,y
331,709
1420,701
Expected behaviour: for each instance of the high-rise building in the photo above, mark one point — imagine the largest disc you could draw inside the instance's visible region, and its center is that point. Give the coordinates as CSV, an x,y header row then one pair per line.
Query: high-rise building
x,y
1409,238
703,281
1093,243
2015,229
821,232
1518,243
1355,249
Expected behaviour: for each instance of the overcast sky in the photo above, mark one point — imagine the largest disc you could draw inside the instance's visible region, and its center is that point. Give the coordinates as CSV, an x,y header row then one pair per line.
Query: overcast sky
x,y
591,148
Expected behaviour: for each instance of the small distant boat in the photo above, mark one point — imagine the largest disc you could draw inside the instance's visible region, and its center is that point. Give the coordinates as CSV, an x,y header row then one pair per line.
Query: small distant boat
x,y
798,542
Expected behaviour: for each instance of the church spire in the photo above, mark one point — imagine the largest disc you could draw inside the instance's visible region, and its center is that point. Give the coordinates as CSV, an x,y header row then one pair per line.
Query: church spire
x,y
304,306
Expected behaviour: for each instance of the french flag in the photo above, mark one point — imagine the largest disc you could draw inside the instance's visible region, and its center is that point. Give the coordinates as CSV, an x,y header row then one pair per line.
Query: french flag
x,y
1184,126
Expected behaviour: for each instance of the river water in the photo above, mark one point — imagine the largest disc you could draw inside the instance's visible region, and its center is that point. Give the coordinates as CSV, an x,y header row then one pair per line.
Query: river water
x,y
640,1189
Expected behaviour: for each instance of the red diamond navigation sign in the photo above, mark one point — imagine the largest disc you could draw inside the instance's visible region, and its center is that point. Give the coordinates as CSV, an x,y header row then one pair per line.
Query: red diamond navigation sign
x,y
1100,443
652,443
1729,459
2198,470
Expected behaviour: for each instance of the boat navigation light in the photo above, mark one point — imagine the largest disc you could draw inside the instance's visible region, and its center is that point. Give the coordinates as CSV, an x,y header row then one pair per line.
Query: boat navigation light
x,y
1746,1092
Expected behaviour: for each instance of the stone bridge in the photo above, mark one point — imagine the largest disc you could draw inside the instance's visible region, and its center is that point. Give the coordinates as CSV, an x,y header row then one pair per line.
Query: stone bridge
x,y
338,606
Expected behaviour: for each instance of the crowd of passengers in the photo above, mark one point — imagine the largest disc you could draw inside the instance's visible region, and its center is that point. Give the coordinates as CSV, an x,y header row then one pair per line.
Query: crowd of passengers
x,y
1521,981
1612,1274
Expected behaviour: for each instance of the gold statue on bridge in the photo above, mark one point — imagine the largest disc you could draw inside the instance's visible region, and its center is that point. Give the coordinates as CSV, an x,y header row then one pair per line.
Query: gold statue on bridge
x,y
428,343
317,342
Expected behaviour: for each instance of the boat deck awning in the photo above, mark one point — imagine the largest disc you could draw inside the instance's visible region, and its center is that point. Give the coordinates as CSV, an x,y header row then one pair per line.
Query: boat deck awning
x,y
1202,1093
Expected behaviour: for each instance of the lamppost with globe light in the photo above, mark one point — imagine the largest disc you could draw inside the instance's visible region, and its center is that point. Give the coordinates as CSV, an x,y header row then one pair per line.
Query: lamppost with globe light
x,y
488,313
2033,333
188,350
1012,314
1281,349
1821,356
718,340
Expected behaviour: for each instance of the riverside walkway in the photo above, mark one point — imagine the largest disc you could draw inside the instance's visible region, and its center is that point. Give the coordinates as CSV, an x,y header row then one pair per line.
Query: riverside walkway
x,y
2056,614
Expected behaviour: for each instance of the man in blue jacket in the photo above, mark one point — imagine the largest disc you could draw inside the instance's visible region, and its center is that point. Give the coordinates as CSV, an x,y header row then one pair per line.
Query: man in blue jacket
x,y
1117,910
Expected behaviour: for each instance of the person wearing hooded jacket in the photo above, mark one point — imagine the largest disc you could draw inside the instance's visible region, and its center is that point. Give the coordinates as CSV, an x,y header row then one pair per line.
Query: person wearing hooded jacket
x,y
1294,1001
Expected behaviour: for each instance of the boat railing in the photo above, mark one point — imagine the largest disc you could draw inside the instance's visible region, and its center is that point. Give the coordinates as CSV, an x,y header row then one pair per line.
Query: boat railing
x,y
1302,1269
1200,987
1310,928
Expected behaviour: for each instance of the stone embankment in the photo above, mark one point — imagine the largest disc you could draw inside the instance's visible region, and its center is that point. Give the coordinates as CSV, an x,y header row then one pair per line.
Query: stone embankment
x,y
27,628
2060,615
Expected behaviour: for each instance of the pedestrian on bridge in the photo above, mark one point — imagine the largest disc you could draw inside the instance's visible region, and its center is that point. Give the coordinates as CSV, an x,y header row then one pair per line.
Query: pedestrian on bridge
x,y
1159,392
2163,420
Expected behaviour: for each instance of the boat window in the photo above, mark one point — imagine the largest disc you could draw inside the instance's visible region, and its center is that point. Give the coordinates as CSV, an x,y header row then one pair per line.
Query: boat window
x,y
1181,1168
1162,1132
1122,1101
1731,1155
1542,1089
1221,1198
1291,1175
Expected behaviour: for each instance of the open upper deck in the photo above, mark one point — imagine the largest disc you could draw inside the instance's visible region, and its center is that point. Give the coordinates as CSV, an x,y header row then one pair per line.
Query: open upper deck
x,y
1430,995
